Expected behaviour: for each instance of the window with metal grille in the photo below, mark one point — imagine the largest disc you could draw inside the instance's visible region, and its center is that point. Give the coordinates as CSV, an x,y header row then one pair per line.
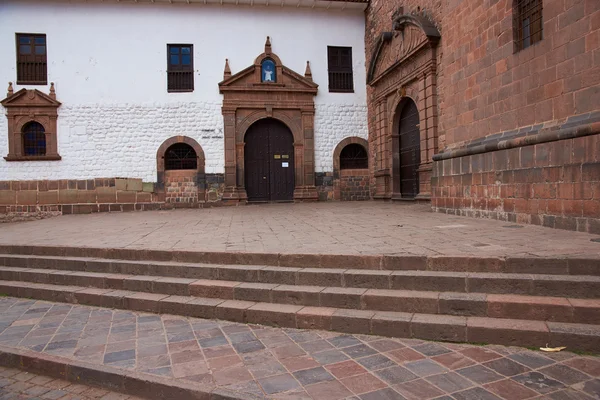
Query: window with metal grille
x,y
354,156
341,78
34,139
181,156
528,23
180,67
31,59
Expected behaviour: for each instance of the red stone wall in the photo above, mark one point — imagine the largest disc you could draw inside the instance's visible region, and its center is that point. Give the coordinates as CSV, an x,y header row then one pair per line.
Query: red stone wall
x,y
555,184
354,185
181,189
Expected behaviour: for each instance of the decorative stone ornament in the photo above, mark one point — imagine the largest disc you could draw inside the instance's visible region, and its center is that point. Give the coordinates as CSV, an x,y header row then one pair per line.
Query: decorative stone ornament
x,y
27,106
248,96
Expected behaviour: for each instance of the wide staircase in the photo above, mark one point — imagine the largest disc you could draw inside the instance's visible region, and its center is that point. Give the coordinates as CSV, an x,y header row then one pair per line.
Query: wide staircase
x,y
529,302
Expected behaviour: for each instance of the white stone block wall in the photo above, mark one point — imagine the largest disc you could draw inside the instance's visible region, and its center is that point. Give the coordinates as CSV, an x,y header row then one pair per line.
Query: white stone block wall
x,y
121,140
333,123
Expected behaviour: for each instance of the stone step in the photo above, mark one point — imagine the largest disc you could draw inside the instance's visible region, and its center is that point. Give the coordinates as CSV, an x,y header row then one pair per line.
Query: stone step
x,y
575,265
573,286
559,309
583,337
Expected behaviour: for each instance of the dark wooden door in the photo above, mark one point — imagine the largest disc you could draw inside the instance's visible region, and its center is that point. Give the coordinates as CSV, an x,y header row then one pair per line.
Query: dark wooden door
x,y
269,162
410,150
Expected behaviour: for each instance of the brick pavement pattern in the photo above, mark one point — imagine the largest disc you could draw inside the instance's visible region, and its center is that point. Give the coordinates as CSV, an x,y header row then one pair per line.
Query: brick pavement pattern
x,y
22,385
365,228
280,363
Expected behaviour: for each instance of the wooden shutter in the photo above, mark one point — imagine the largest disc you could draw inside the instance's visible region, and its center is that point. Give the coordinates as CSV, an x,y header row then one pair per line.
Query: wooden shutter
x,y
180,67
341,78
31,59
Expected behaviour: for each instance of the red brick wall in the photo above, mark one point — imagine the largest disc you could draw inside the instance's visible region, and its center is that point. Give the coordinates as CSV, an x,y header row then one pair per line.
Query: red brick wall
x,y
555,184
181,188
354,185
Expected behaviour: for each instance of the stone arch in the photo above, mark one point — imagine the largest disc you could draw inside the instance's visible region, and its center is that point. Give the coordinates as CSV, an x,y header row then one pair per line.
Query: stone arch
x,y
344,179
281,116
180,178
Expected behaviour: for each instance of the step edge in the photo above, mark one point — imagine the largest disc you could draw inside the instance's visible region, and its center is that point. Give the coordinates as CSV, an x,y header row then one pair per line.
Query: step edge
x,y
129,382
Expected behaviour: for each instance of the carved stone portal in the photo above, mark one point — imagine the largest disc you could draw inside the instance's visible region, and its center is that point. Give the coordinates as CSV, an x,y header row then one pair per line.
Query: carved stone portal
x,y
256,93
402,67
24,107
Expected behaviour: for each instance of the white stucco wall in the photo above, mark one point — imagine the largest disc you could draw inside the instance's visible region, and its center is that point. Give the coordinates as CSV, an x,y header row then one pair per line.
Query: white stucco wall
x,y
108,62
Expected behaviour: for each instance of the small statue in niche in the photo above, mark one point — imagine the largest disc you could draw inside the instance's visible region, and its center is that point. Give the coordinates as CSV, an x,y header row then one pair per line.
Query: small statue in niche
x,y
268,71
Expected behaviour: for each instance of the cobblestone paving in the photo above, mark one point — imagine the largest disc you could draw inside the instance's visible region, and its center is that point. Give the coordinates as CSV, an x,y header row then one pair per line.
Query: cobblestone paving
x,y
325,228
16,384
294,364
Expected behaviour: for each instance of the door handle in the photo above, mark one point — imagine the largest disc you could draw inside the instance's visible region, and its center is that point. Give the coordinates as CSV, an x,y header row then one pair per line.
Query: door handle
x,y
264,177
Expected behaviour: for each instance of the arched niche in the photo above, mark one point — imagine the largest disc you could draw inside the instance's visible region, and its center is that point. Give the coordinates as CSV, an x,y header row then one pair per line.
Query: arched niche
x,y
166,177
340,191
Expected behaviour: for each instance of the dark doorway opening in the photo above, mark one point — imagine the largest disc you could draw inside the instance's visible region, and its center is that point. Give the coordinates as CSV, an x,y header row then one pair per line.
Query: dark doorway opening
x,y
409,149
269,161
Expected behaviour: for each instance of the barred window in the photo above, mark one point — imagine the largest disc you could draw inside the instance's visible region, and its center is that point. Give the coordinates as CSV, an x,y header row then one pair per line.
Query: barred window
x,y
341,78
31,59
34,139
181,156
180,68
528,23
354,156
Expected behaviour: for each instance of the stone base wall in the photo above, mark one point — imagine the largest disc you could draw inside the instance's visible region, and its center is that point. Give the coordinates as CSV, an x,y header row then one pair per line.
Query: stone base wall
x,y
47,197
554,184
324,184
354,185
181,187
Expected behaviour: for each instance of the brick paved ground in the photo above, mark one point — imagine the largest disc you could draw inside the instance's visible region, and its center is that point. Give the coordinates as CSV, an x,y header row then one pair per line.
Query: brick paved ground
x,y
22,385
326,228
288,363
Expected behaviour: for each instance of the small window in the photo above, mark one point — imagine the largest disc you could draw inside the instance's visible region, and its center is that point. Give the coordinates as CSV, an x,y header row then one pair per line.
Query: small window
x,y
528,23
354,156
31,59
341,78
180,67
180,156
34,139
269,74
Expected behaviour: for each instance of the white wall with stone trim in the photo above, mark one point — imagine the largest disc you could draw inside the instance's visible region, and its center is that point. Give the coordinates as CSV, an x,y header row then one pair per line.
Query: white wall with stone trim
x,y
108,61
334,123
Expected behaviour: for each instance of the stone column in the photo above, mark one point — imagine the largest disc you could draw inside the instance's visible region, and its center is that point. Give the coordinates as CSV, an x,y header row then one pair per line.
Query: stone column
x,y
230,193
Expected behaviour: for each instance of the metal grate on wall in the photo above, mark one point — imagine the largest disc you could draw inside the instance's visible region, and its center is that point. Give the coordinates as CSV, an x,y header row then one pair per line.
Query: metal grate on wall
x,y
528,23
34,139
181,156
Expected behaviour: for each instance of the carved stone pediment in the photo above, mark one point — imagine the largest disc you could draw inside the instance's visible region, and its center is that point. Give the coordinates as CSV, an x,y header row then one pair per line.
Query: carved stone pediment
x,y
30,98
410,34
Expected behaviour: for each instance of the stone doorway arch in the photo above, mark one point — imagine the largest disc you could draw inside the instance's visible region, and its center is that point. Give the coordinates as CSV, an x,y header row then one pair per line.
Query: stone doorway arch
x,y
402,69
282,94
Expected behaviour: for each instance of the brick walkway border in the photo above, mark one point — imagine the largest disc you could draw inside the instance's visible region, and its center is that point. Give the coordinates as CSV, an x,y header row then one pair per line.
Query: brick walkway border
x,y
110,378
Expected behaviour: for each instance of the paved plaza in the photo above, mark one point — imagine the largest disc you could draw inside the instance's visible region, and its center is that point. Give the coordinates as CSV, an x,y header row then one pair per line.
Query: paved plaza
x,y
360,228
279,363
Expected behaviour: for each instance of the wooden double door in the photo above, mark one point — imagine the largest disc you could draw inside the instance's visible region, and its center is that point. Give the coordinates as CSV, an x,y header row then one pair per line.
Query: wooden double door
x,y
269,161
410,150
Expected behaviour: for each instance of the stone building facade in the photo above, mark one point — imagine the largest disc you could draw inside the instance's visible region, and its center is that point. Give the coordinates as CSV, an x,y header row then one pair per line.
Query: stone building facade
x,y
486,109
508,97
109,111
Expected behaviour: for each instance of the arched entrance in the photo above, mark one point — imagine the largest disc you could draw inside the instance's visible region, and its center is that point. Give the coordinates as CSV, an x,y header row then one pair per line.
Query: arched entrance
x,y
409,150
269,161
